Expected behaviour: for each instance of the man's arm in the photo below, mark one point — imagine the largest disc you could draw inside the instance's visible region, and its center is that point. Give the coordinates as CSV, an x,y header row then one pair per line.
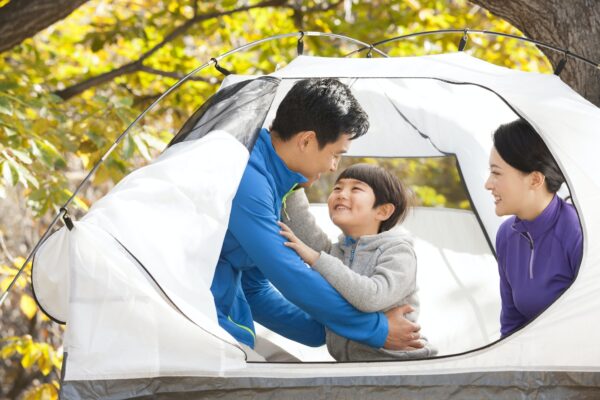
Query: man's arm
x,y
254,224
275,312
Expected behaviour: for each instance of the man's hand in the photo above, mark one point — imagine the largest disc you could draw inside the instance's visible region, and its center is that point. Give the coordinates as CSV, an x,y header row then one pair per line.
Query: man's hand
x,y
402,333
307,254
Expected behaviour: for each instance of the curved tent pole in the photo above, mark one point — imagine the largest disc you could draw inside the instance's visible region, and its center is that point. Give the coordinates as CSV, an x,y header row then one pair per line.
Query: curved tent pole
x,y
466,31
63,213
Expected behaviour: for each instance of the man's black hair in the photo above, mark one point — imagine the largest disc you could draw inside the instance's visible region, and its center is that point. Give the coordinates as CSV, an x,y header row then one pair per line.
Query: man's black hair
x,y
387,189
522,148
325,106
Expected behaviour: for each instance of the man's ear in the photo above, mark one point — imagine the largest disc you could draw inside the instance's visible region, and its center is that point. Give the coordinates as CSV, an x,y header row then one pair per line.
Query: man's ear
x,y
304,139
385,211
536,179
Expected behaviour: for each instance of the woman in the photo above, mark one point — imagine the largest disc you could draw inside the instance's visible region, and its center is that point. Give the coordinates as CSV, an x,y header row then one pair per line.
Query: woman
x,y
540,247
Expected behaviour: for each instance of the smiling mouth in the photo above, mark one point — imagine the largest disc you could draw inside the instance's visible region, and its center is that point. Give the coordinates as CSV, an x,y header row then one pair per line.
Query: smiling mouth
x,y
340,208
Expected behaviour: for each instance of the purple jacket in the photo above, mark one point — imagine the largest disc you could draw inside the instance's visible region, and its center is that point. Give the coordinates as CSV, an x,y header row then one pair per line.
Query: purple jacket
x,y
537,261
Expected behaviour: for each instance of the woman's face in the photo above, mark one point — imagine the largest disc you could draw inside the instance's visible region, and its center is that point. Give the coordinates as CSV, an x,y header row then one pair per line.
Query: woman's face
x,y
509,186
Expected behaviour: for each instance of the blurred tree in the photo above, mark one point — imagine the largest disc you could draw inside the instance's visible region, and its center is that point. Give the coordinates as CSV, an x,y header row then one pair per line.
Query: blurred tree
x,y
69,91
573,25
22,19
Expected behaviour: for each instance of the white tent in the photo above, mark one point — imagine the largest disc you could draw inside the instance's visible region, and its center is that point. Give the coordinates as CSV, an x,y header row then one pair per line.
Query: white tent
x,y
132,279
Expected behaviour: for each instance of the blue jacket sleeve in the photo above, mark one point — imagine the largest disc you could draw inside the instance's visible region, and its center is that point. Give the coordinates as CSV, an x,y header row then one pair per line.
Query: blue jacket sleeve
x,y
253,222
275,312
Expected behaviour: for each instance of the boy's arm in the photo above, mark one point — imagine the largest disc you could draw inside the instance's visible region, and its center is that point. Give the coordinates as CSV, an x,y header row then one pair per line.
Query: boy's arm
x,y
394,278
297,216
272,310
254,224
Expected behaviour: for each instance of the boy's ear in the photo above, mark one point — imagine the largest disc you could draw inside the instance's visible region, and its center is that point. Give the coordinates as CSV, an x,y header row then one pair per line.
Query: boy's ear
x,y
304,139
537,179
385,211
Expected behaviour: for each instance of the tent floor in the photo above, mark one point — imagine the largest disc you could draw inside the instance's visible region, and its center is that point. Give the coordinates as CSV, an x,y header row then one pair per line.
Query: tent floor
x,y
485,385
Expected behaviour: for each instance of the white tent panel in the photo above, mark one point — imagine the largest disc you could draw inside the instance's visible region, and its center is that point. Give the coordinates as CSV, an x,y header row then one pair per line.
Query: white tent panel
x,y
188,189
110,295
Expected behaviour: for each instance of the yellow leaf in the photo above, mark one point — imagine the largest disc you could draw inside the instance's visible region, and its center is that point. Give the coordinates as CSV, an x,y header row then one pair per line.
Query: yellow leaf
x,y
28,306
45,391
8,350
45,362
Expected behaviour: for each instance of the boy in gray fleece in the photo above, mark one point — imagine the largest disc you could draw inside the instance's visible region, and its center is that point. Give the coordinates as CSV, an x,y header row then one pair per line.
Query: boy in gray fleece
x,y
372,266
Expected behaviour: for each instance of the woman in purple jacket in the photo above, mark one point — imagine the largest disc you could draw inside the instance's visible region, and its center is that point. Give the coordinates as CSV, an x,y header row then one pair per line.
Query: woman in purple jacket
x,y
540,246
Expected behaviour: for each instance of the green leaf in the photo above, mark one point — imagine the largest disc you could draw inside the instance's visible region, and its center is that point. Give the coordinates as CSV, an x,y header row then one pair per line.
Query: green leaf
x,y
6,107
9,174
141,146
22,156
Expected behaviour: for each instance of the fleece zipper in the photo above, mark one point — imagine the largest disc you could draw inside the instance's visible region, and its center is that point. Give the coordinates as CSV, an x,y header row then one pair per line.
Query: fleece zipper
x,y
527,236
352,251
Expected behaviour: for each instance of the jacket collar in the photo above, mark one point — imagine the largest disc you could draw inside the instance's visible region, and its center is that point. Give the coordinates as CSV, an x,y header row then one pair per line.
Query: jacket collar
x,y
285,178
542,222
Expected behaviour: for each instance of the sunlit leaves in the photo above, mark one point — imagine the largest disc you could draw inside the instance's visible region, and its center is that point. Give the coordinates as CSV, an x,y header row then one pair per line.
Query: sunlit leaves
x,y
9,272
32,354
28,306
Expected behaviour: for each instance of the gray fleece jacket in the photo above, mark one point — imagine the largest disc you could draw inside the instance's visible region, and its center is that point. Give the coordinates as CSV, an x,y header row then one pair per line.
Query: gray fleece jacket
x,y
374,273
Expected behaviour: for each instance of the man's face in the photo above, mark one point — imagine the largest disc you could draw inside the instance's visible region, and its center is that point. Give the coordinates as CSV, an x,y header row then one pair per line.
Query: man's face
x,y
317,161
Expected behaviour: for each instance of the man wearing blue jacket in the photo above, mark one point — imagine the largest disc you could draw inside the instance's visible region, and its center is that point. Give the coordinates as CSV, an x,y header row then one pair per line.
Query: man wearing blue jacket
x,y
259,279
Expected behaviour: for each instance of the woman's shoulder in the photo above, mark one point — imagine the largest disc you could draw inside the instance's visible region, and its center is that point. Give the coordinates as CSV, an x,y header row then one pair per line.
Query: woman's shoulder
x,y
568,219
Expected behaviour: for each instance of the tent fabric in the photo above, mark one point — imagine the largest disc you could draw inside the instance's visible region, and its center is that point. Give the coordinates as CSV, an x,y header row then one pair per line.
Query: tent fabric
x,y
502,385
169,219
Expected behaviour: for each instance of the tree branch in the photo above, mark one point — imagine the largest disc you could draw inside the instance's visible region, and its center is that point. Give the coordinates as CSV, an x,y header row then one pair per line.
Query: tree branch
x,y
137,65
22,19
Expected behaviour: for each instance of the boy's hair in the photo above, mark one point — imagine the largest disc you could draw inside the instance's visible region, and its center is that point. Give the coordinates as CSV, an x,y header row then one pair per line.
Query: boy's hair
x,y
325,106
522,148
387,189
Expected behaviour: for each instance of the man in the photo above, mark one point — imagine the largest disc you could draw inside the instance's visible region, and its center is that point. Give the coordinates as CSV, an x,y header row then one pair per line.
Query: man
x,y
257,278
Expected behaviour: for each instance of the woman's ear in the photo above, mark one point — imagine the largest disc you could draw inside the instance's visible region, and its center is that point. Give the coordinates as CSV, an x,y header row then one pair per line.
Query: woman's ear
x,y
537,179
385,211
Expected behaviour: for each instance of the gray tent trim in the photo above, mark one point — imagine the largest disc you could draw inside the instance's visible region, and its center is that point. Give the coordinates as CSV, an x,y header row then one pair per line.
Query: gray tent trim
x,y
508,385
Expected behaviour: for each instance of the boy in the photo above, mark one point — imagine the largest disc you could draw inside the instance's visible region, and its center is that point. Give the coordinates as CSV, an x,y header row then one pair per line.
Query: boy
x,y
372,266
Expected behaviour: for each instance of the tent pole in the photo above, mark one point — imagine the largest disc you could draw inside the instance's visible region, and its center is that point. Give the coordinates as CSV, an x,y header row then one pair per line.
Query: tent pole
x,y
467,31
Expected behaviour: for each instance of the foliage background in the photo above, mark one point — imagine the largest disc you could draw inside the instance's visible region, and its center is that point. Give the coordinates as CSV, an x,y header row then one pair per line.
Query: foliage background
x,y
67,94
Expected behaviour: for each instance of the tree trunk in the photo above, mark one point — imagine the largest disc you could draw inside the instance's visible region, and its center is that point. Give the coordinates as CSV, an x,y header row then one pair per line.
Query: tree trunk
x,y
21,19
573,25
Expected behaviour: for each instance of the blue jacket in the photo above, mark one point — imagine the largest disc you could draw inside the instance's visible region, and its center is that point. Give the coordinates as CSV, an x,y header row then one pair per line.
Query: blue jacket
x,y
537,261
258,279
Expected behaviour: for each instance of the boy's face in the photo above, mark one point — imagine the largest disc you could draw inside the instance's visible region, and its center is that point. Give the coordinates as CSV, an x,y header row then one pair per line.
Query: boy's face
x,y
351,208
316,161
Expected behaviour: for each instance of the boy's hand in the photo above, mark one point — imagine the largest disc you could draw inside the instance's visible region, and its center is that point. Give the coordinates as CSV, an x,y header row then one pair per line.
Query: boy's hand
x,y
307,254
402,333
